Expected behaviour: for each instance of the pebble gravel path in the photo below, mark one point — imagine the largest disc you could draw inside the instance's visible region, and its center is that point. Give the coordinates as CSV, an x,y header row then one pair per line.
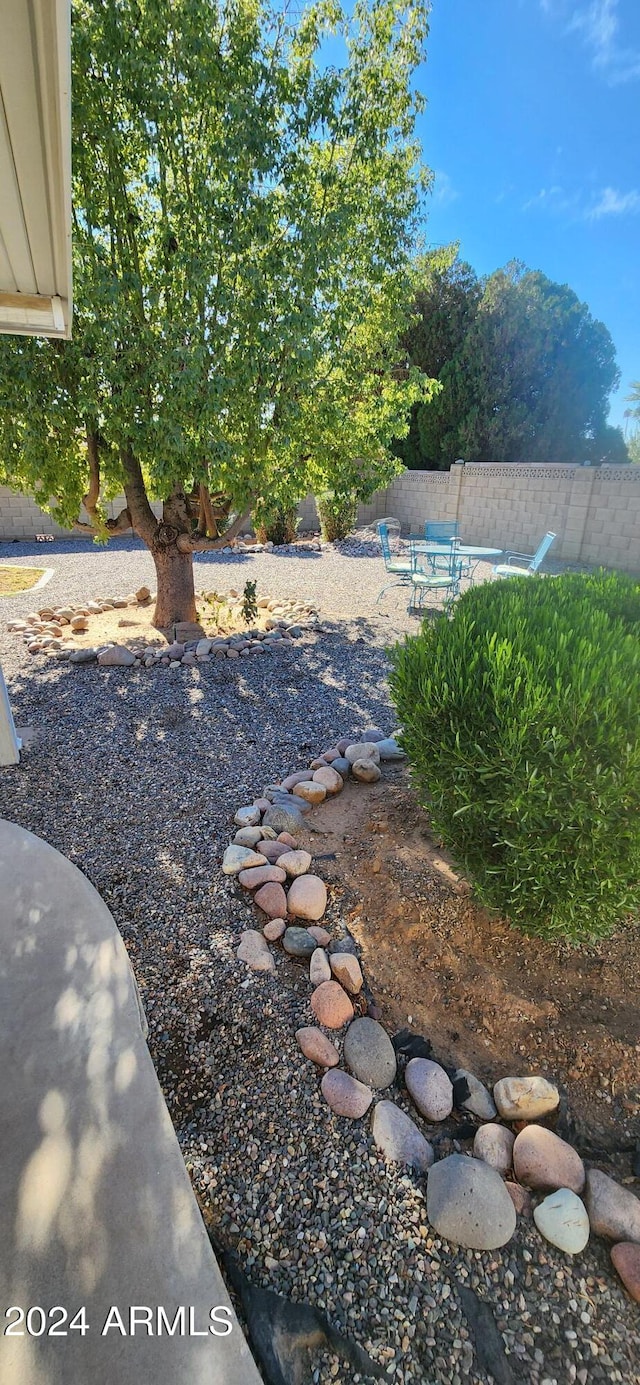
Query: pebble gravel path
x,y
131,775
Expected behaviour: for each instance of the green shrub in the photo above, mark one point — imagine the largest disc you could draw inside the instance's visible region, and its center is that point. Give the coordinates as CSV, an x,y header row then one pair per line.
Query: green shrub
x,y
249,602
612,592
275,523
520,719
337,514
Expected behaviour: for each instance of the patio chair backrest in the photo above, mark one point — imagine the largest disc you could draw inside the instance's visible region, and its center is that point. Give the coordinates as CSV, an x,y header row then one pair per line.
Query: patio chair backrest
x,y
388,533
437,564
441,530
541,551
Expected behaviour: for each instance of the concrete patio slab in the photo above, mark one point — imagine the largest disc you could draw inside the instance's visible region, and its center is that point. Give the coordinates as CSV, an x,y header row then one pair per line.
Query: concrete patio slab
x,y
96,1209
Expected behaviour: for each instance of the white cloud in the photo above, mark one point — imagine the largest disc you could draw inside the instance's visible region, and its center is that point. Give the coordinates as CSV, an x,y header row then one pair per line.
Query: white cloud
x,y
613,203
556,201
553,199
598,24
444,192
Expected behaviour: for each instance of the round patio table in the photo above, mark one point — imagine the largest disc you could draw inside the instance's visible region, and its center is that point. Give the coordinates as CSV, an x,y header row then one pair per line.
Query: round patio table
x,y
473,552
462,550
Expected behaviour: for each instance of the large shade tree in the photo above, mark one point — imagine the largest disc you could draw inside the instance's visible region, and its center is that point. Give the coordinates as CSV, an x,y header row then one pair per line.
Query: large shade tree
x,y
525,370
244,215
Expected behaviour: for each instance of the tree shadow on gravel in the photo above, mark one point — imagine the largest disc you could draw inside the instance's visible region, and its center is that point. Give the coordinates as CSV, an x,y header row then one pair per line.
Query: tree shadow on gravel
x,y
304,553
221,559
71,547
127,764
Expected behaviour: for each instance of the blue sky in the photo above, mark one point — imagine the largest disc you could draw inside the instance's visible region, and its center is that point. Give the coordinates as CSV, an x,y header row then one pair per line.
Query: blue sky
x,y
532,128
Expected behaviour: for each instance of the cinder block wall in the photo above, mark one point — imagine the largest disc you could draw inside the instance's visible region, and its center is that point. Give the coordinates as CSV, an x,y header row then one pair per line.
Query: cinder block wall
x,y
21,518
595,511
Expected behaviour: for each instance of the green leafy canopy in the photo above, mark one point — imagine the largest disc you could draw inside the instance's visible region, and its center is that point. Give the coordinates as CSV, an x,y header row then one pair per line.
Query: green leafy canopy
x,y
244,220
525,372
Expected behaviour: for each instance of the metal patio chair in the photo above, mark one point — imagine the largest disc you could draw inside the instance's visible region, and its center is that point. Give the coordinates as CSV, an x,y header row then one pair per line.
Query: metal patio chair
x,y
446,531
528,563
399,569
441,530
433,572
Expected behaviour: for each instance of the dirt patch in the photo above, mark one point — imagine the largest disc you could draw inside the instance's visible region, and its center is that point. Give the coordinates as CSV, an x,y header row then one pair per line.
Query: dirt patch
x,y
132,625
488,998
19,579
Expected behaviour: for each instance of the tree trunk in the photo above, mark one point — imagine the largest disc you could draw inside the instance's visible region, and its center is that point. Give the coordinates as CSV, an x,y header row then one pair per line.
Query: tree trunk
x,y
171,542
176,599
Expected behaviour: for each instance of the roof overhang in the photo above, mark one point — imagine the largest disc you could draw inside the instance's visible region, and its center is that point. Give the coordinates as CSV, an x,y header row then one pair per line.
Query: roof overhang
x,y
35,167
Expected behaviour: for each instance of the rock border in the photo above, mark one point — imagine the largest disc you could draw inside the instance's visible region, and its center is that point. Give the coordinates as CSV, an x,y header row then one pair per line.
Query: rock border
x,y
518,1166
43,632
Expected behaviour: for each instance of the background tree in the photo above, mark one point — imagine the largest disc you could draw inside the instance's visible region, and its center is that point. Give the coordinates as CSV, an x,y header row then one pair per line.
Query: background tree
x,y
633,447
243,216
528,373
445,301
634,398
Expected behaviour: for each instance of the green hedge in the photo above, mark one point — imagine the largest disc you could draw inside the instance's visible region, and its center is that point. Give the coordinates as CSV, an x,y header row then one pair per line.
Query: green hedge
x,y
337,514
275,523
521,724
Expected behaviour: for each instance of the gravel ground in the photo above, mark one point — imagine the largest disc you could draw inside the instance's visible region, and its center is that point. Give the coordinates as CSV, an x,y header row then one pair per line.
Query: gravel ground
x,y
341,585
309,1205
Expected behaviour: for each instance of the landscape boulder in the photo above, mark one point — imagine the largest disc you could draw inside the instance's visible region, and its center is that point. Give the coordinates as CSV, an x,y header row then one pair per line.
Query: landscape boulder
x,y
319,968
116,656
282,819
494,1144
430,1088
294,862
525,1098
347,970
467,1202
362,750
239,858
317,1047
307,898
329,779
345,1095
272,900
248,816
369,1053
298,943
626,1260
260,875
398,1138
310,792
365,771
254,950
479,1102
562,1219
331,1005
613,1211
542,1160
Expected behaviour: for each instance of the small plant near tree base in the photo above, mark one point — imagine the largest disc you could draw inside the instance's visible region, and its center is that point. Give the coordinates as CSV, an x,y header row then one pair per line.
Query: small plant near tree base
x,y
521,723
337,512
249,602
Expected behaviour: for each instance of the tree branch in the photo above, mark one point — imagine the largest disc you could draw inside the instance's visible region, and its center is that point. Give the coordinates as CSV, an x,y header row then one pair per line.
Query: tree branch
x,y
90,500
120,525
143,520
194,544
209,523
